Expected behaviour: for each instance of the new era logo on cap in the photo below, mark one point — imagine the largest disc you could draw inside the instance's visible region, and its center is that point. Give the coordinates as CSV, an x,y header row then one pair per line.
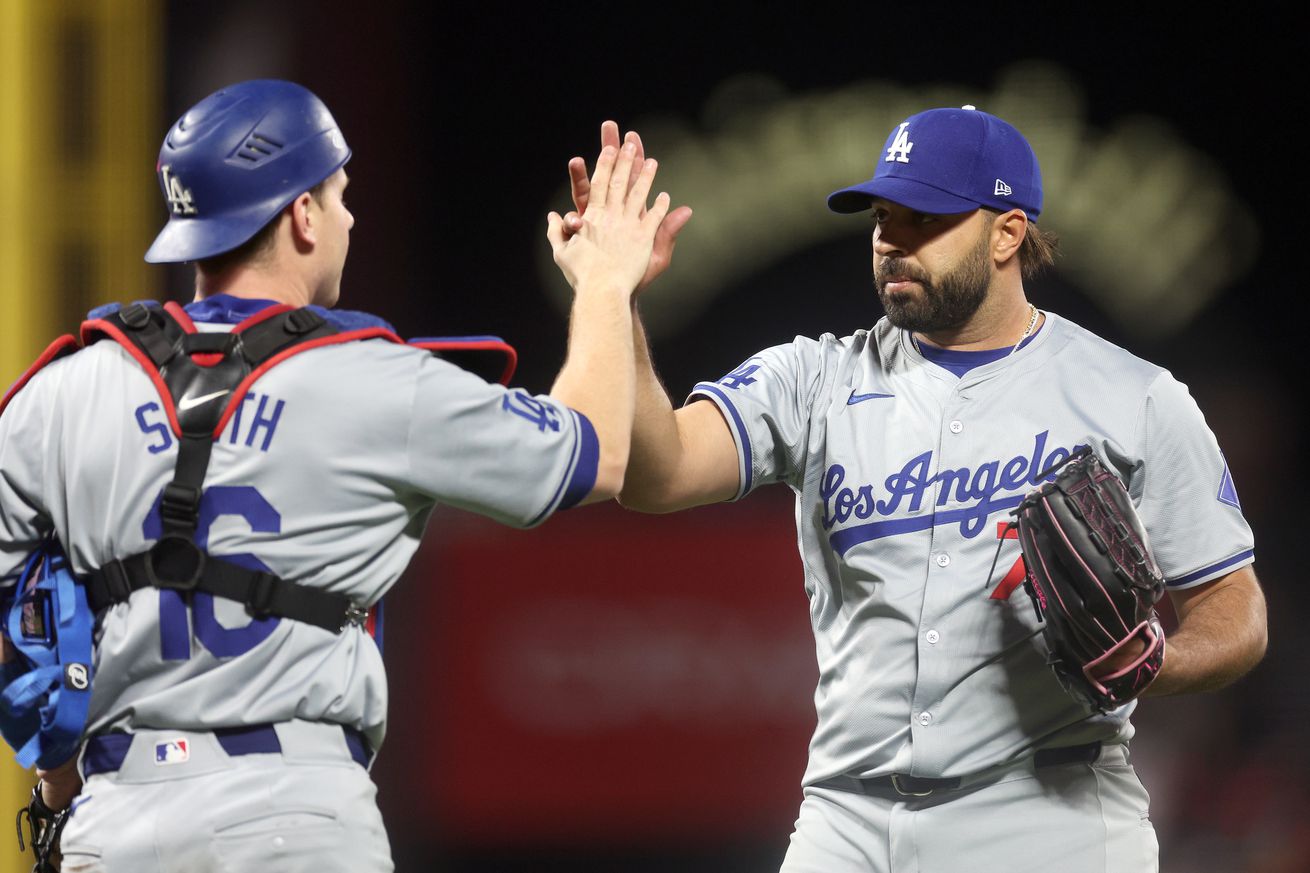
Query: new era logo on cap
x,y
946,161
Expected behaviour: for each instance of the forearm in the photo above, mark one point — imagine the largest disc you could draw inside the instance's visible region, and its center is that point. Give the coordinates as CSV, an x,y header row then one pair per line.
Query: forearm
x,y
656,443
597,377
1219,639
59,785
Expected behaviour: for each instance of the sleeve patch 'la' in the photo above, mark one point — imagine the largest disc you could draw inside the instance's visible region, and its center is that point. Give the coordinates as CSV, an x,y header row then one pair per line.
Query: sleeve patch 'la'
x,y
1227,490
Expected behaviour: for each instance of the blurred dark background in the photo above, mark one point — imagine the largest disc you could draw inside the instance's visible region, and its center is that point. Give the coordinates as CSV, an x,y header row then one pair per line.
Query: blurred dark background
x,y
622,693
461,124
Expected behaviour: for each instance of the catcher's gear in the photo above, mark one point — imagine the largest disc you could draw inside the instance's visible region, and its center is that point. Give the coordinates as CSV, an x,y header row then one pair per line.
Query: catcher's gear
x,y
47,670
43,828
1093,582
235,160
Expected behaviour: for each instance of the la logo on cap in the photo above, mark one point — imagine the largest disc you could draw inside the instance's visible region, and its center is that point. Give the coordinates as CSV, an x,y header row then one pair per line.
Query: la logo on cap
x,y
900,148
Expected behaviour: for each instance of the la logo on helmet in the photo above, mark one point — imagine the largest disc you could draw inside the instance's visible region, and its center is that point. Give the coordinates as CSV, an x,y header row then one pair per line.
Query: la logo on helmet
x,y
179,197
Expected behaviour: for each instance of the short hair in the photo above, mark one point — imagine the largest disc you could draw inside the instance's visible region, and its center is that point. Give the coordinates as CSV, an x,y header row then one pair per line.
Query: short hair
x,y
257,247
1037,251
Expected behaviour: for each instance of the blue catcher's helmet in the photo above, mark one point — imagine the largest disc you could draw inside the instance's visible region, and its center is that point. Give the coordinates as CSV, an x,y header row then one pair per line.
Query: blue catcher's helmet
x,y
235,160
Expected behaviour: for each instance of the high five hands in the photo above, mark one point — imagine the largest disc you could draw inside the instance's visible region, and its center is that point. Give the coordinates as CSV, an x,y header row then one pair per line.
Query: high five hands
x,y
611,248
666,234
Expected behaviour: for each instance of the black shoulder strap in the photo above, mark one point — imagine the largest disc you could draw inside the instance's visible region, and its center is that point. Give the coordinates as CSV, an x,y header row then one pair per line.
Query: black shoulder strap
x,y
202,373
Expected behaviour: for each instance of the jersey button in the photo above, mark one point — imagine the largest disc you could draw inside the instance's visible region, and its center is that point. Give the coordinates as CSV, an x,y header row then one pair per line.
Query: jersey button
x,y
932,637
943,560
957,426
925,718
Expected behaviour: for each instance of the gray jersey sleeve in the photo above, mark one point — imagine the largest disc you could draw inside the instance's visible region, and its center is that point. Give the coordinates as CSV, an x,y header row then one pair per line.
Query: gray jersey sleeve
x,y
767,402
23,517
1188,499
500,452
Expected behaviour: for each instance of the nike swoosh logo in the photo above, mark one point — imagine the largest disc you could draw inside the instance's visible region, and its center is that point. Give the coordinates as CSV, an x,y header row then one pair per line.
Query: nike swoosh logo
x,y
860,398
189,402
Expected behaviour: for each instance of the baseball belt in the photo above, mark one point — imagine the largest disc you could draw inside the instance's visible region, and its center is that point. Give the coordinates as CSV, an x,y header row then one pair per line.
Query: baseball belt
x,y
105,753
917,786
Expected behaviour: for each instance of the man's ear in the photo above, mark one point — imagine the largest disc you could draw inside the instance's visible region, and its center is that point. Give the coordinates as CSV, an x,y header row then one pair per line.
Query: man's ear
x,y
304,221
1008,232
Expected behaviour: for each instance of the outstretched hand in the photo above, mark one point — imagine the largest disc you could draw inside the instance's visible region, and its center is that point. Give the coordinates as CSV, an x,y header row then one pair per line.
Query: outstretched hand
x,y
611,246
666,237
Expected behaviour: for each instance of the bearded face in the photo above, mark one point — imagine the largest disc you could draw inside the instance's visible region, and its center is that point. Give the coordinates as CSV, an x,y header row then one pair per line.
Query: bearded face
x,y
941,303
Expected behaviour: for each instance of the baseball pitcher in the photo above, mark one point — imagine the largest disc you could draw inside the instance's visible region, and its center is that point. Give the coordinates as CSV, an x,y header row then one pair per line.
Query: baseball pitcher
x,y
943,583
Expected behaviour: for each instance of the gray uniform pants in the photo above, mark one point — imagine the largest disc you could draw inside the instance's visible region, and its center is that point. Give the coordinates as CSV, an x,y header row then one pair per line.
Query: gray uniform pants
x,y
309,808
1074,818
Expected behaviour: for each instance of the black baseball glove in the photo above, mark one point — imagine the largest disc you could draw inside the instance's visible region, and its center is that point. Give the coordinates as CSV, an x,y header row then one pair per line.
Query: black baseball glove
x,y
43,828
1093,582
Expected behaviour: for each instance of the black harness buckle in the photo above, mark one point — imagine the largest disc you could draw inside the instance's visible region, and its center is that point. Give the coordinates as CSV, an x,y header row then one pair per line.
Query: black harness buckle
x,y
180,504
135,315
176,563
354,615
301,321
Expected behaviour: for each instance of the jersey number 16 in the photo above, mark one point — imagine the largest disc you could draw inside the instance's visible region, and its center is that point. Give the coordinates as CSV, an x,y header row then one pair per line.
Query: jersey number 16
x,y
245,503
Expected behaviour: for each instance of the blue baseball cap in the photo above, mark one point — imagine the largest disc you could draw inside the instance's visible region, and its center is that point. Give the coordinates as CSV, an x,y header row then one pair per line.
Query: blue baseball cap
x,y
946,161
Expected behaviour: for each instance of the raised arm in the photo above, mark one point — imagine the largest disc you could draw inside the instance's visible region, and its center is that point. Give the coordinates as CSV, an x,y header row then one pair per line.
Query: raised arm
x,y
604,259
679,458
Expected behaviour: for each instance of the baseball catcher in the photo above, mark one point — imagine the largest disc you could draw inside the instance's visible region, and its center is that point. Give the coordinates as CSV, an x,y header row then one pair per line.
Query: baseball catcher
x,y
1093,582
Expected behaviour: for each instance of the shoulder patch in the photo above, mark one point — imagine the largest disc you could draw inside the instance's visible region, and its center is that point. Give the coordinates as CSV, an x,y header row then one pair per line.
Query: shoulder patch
x,y
1227,489
743,375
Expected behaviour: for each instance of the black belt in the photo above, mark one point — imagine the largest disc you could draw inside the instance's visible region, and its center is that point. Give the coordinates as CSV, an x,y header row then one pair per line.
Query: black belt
x,y
105,753
915,786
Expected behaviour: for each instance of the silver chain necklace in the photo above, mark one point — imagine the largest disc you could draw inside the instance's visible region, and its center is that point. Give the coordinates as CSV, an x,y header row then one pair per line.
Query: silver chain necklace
x,y
1027,332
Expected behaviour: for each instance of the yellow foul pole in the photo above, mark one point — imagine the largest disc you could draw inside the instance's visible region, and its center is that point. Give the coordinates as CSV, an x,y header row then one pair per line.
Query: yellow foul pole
x,y
80,102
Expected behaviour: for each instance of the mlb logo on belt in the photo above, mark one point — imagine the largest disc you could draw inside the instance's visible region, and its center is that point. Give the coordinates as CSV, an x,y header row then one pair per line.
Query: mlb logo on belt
x,y
172,752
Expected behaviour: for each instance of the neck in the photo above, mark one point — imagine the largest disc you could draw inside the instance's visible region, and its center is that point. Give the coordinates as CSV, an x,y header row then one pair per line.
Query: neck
x,y
1009,326
245,281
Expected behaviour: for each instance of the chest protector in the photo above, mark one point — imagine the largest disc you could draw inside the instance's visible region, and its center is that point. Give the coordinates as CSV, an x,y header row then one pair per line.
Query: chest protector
x,y
201,378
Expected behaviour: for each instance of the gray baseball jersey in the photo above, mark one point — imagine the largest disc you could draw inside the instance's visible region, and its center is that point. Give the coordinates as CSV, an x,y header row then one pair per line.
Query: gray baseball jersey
x,y
325,476
929,663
